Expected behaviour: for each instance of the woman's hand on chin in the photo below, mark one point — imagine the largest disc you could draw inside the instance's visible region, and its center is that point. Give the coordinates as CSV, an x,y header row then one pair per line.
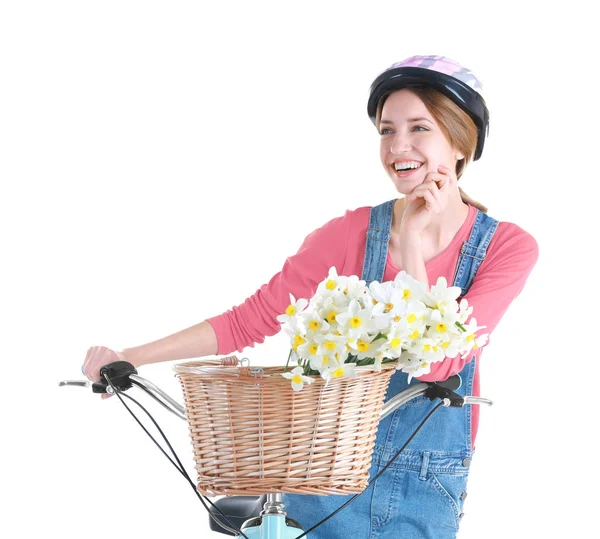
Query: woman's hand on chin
x,y
428,199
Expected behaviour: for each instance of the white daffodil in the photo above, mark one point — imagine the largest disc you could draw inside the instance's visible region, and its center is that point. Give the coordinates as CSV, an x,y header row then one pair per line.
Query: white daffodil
x,y
344,370
411,288
314,323
415,319
412,365
428,350
330,284
396,340
355,288
464,311
355,321
470,339
329,345
392,298
322,362
329,312
442,325
443,297
296,331
298,379
419,368
364,347
293,309
308,349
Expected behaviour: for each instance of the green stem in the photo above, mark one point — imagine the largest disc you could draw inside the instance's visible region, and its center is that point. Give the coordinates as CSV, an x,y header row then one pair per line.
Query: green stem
x,y
288,360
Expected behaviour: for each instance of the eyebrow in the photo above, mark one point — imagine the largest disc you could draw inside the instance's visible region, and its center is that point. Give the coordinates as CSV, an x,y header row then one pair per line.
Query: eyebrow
x,y
409,120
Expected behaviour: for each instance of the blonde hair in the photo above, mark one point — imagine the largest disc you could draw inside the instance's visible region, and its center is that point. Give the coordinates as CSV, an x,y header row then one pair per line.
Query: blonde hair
x,y
457,126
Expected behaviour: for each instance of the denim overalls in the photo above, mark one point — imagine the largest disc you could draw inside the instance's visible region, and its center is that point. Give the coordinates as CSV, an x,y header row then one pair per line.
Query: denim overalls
x,y
420,496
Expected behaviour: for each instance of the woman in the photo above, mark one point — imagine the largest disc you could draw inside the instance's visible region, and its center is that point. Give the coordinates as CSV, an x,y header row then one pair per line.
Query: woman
x,y
432,122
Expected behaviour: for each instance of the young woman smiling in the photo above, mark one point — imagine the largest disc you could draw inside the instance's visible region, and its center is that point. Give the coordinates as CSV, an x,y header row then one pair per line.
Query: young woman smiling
x,y
431,118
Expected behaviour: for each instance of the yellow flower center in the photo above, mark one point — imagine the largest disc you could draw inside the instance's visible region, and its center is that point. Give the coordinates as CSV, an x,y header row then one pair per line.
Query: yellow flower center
x,y
445,344
426,347
389,307
411,318
314,325
441,328
331,317
374,301
346,291
291,310
475,346
396,342
355,322
313,349
397,318
338,372
325,360
329,345
424,364
470,337
330,284
297,379
406,294
414,334
299,339
363,346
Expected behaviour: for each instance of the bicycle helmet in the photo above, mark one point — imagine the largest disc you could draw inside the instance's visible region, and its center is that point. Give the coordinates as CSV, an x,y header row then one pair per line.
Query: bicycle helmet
x,y
443,74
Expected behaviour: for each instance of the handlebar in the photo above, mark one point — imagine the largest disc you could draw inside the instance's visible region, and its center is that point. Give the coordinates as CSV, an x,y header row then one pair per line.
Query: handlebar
x,y
123,376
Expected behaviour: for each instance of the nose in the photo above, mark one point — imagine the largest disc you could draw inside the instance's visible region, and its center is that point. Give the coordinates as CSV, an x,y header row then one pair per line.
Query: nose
x,y
400,143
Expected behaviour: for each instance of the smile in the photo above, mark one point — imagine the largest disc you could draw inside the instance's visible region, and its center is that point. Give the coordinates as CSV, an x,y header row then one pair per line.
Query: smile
x,y
405,173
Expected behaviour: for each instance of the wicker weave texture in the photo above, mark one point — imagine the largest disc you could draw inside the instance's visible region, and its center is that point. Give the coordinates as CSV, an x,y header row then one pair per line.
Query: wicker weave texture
x,y
255,435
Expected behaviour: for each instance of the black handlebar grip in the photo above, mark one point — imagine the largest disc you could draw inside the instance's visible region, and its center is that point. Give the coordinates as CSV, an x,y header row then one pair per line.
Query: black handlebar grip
x,y
118,372
436,391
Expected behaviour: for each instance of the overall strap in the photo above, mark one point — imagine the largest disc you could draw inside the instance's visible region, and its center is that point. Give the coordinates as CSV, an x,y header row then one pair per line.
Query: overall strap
x,y
378,237
473,251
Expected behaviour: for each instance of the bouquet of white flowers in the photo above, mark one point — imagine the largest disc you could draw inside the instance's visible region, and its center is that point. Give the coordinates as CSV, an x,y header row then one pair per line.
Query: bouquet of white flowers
x,y
348,325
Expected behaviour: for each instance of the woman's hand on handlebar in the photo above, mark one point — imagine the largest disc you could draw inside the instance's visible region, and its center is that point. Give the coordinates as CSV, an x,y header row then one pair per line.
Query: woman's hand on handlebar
x,y
97,357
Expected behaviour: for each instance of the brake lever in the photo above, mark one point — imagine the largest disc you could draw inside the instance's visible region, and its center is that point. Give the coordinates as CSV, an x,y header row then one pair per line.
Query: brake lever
x,y
118,372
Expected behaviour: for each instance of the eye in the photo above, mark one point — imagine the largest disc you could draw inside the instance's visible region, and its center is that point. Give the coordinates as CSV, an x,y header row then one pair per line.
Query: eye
x,y
387,130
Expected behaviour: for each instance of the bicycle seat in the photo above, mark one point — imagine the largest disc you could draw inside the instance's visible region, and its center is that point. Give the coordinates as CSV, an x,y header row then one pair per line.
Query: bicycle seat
x,y
238,509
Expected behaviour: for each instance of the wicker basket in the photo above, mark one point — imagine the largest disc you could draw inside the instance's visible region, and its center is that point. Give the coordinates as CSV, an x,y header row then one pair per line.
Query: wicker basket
x,y
252,434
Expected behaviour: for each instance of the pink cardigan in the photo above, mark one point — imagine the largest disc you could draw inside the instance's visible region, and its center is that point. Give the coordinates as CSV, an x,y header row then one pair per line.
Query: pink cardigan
x,y
341,242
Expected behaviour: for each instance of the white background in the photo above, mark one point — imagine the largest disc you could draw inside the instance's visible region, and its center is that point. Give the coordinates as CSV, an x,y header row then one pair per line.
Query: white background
x,y
159,161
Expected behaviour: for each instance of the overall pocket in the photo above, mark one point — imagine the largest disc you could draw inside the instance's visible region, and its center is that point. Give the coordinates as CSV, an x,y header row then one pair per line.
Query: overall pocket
x,y
450,487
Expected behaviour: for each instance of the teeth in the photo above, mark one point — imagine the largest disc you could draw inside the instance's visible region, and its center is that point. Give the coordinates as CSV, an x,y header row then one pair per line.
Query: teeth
x,y
406,165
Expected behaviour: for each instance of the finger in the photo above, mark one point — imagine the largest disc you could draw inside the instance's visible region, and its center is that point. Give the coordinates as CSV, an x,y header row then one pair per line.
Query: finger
x,y
443,182
447,173
420,190
431,201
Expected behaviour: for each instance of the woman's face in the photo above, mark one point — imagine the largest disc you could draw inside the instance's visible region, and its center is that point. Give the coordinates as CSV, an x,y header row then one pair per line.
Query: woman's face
x,y
404,139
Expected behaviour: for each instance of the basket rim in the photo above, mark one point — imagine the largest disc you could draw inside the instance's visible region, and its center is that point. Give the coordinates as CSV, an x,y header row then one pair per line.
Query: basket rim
x,y
199,368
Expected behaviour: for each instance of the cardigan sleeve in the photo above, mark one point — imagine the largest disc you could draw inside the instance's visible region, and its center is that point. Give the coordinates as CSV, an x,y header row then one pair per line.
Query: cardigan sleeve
x,y
512,255
256,318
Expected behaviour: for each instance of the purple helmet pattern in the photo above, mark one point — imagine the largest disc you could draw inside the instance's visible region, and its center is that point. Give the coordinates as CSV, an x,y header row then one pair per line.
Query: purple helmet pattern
x,y
445,65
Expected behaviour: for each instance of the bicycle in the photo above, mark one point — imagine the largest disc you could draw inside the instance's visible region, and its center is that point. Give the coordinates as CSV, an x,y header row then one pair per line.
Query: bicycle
x,y
264,516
